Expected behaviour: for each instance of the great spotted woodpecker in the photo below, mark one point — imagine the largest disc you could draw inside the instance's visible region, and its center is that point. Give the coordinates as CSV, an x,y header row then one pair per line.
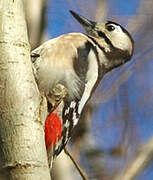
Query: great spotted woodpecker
x,y
78,61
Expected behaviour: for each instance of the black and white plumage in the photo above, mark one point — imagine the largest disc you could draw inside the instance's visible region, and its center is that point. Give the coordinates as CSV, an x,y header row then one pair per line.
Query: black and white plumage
x,y
79,61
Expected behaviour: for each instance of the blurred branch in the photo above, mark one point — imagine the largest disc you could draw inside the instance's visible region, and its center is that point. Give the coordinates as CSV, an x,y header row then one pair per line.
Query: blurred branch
x,y
101,10
36,21
144,157
82,173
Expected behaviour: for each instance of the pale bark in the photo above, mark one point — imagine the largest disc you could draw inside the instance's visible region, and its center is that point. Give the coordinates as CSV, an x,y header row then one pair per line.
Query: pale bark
x,y
22,147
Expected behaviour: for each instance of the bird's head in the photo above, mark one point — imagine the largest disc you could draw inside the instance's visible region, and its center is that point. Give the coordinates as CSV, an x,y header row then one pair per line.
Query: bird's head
x,y
115,40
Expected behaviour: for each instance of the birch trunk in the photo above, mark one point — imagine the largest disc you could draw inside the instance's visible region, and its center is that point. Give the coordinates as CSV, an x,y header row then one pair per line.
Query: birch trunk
x,y
22,110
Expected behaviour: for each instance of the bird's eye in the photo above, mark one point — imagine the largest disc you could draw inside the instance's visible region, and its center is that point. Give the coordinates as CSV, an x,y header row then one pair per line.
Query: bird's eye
x,y
110,28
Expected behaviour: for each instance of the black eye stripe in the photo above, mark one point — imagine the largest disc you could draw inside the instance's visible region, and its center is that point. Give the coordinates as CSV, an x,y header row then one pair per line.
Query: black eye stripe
x,y
102,35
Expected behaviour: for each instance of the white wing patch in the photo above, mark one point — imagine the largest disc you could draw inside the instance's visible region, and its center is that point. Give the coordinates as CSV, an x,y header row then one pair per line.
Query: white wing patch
x,y
67,124
58,144
73,104
75,119
67,111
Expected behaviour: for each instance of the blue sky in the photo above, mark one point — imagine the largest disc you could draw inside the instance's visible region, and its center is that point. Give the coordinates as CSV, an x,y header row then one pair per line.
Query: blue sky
x,y
59,18
119,7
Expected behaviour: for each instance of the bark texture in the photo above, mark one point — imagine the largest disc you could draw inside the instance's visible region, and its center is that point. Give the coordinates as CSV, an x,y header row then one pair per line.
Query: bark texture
x,y
22,109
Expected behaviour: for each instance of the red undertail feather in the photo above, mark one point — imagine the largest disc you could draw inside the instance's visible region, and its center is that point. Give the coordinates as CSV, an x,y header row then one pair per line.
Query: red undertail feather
x,y
53,130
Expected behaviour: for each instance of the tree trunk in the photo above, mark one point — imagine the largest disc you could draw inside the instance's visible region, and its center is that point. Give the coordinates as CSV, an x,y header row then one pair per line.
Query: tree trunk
x,y
22,109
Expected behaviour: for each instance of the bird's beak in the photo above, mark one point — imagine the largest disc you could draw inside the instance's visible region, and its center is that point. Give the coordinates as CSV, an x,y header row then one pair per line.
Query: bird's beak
x,y
87,24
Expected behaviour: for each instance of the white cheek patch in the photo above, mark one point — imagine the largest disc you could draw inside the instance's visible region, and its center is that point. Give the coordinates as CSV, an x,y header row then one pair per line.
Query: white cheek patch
x,y
120,39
